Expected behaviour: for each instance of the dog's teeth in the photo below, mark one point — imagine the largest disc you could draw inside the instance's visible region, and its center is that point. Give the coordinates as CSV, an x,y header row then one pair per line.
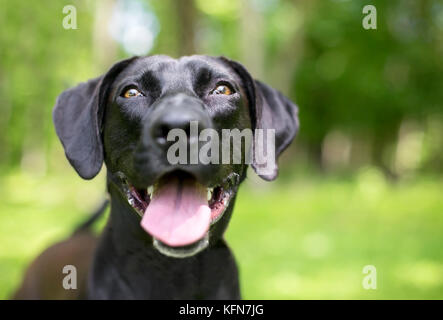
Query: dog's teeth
x,y
150,190
209,196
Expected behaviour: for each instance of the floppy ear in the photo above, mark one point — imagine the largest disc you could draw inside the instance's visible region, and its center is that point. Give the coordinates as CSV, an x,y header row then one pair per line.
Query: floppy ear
x,y
77,118
269,109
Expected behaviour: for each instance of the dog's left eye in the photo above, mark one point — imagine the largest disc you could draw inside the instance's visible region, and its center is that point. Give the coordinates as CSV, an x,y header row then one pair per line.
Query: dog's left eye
x,y
132,92
222,89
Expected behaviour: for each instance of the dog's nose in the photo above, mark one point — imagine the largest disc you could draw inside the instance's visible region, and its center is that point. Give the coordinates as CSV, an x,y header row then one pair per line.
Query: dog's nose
x,y
161,129
182,113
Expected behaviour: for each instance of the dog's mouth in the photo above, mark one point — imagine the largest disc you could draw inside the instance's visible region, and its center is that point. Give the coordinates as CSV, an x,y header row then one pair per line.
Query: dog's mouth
x,y
178,211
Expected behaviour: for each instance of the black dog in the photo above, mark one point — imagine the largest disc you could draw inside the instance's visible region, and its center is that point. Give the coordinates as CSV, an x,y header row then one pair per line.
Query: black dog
x,y
160,212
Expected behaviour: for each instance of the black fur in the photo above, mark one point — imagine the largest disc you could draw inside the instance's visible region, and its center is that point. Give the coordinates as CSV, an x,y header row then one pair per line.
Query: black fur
x,y
95,125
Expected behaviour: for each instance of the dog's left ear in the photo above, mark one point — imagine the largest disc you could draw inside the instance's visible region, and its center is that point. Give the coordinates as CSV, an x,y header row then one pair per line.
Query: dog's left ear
x,y
77,118
269,109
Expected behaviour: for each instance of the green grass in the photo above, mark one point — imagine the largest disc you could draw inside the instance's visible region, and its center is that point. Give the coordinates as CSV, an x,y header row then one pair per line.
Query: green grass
x,y
303,238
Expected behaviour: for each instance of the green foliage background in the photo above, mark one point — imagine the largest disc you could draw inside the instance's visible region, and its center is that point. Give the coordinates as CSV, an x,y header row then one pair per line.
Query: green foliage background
x,y
360,186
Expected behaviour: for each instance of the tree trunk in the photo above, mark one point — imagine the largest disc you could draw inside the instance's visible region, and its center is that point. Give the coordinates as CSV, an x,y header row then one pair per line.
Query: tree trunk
x,y
186,15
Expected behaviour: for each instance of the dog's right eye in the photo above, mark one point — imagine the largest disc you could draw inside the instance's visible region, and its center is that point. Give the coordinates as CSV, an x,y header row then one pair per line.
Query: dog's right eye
x,y
131,92
223,89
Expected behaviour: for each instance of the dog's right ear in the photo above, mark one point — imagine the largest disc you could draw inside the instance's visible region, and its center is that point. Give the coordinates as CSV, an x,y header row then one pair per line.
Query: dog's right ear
x,y
269,110
77,118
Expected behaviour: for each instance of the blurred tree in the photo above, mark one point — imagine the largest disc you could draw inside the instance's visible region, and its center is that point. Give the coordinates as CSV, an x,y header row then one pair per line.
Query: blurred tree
x,y
37,60
367,82
104,47
187,17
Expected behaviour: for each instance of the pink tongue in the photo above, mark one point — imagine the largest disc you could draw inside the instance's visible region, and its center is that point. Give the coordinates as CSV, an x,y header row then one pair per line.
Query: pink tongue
x,y
178,213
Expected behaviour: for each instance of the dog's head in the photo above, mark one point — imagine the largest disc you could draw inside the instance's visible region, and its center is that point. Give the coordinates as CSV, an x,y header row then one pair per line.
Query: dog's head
x,y
161,126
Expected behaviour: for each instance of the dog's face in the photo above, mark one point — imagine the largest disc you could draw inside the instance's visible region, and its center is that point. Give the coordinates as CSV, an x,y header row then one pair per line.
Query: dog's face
x,y
127,118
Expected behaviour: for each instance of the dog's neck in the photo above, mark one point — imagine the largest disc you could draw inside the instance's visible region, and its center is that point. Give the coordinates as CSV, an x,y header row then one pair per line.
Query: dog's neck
x,y
127,266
